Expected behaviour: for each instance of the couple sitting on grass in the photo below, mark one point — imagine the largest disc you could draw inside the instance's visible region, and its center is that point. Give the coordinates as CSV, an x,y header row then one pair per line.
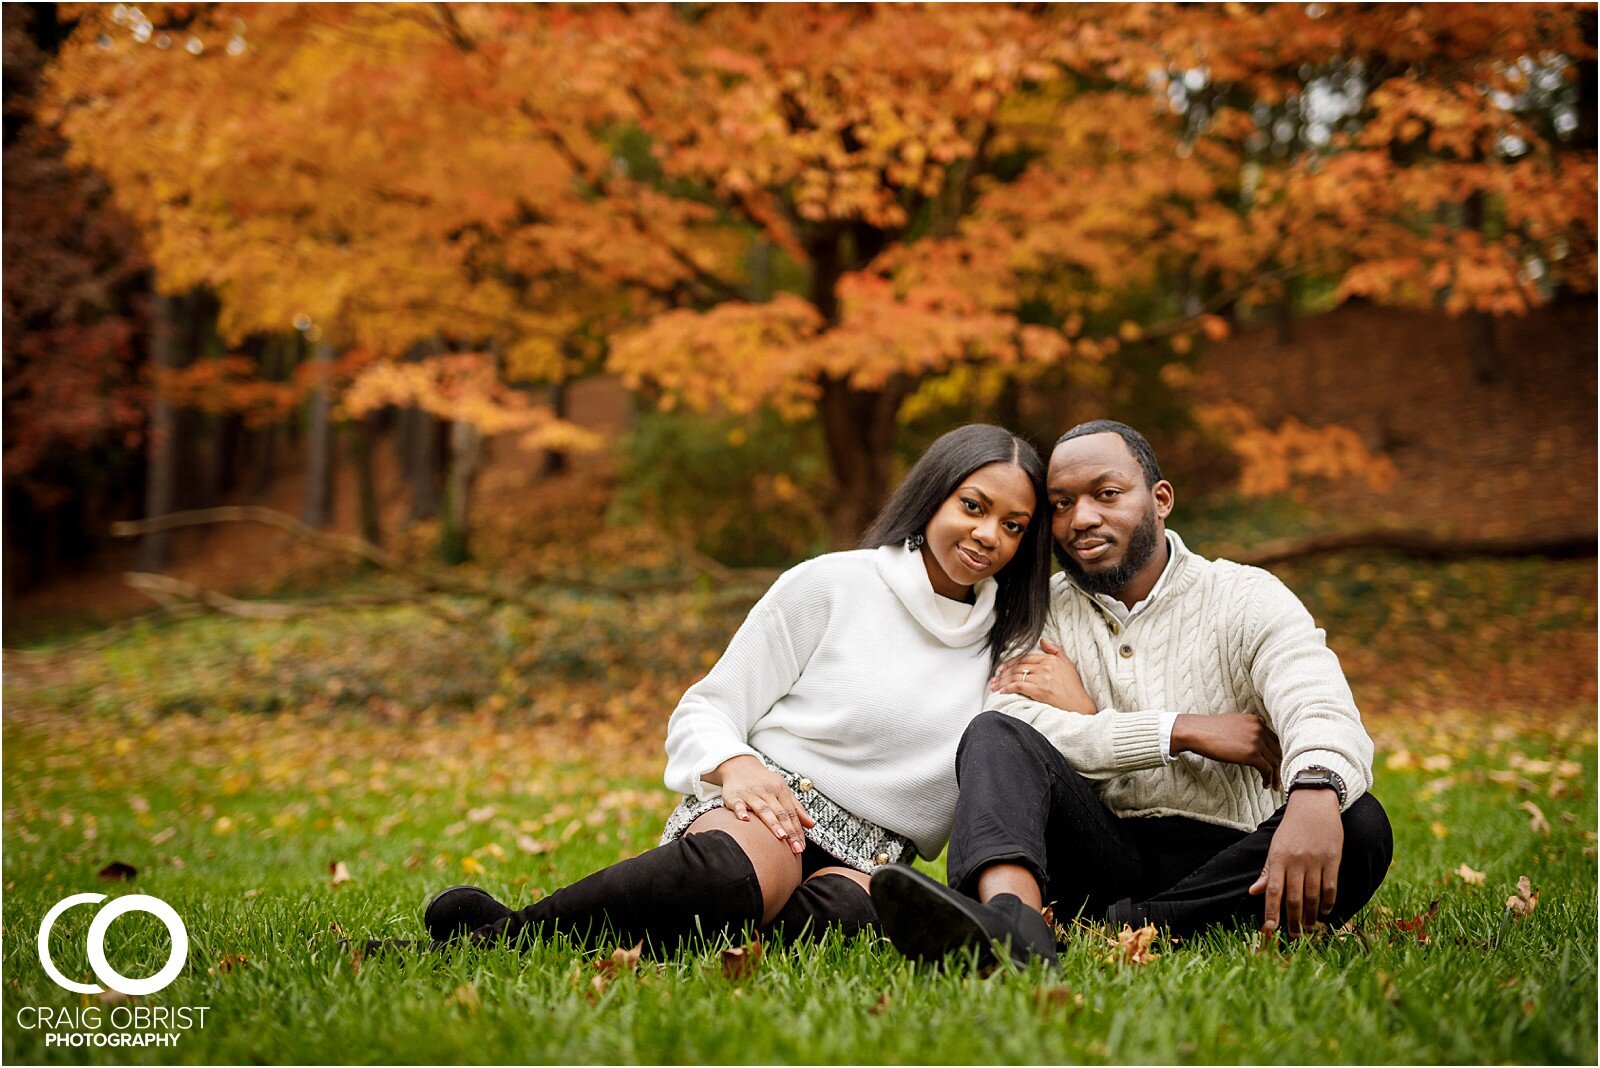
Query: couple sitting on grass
x,y
1151,737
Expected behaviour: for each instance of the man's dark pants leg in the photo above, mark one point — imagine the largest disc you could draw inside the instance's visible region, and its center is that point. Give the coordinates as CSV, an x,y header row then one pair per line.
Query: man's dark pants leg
x,y
1021,803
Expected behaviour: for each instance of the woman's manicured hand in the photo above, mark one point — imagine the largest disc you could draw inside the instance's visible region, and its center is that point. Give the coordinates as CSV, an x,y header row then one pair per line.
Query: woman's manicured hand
x,y
1048,677
749,786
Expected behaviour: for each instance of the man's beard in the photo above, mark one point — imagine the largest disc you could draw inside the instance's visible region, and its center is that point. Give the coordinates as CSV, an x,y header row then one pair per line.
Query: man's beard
x,y
1141,546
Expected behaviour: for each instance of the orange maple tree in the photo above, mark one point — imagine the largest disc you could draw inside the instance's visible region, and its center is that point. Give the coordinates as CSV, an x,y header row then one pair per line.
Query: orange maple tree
x,y
826,208
72,266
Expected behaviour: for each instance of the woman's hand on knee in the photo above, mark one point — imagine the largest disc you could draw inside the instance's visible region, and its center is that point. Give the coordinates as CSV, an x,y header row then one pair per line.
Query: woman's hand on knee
x,y
749,787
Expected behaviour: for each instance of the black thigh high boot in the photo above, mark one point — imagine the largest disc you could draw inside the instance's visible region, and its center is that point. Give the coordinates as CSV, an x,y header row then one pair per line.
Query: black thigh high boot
x,y
700,884
823,902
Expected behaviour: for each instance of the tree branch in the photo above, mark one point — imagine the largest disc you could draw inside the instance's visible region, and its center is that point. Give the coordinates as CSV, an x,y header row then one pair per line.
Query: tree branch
x,y
718,285
1418,545
177,594
431,582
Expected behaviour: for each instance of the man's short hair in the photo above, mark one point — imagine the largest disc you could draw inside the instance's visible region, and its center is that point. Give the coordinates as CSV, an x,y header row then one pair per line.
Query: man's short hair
x,y
1136,444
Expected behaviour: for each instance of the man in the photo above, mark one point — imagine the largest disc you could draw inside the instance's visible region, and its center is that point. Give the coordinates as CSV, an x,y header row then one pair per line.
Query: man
x,y
1183,750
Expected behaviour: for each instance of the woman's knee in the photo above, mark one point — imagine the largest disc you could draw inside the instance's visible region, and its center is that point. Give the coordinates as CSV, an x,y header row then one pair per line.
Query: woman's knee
x,y
831,898
776,865
861,879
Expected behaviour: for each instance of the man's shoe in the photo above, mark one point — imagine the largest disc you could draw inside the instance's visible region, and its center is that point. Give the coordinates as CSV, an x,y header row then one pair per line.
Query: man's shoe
x,y
927,921
1120,914
460,910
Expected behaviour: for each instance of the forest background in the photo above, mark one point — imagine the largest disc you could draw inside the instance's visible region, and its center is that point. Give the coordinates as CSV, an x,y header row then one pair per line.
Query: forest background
x,y
449,379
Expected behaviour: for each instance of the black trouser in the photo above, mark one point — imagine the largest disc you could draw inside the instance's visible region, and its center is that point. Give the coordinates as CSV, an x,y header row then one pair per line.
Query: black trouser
x,y
1021,803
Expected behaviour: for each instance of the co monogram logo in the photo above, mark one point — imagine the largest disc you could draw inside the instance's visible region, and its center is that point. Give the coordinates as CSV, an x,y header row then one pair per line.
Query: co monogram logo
x,y
97,943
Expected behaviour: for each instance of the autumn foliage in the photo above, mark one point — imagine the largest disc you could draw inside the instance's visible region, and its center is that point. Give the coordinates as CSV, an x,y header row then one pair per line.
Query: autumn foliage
x,y
827,208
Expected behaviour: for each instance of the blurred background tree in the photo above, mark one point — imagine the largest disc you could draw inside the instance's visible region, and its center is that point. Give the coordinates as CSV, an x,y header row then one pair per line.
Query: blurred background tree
x,y
424,223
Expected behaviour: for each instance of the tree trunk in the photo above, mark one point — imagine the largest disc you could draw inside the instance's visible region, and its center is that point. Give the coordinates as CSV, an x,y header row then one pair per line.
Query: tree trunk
x,y
1285,312
422,463
1584,138
1481,344
858,425
318,509
465,444
859,428
555,460
1480,324
366,489
161,449
266,463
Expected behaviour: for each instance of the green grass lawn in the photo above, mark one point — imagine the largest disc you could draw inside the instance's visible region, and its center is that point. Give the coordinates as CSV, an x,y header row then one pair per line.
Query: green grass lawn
x,y
165,752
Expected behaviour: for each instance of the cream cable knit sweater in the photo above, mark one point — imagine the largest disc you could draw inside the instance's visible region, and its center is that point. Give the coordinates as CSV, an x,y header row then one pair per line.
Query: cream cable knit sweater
x,y
852,672
1222,637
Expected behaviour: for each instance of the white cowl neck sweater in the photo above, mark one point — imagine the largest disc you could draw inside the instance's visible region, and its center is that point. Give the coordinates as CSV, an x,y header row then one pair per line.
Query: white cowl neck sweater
x,y
854,673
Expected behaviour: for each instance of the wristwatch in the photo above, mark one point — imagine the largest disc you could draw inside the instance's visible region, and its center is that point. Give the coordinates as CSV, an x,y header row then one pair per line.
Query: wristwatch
x,y
1318,778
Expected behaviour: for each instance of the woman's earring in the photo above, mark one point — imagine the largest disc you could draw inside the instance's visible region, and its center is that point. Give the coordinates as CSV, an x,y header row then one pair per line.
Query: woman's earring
x,y
914,542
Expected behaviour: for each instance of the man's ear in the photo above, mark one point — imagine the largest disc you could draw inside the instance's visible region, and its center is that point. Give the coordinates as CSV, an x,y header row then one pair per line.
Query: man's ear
x,y
1162,492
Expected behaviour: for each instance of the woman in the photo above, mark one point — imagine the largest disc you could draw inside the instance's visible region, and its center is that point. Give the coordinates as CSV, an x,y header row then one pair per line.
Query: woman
x,y
822,744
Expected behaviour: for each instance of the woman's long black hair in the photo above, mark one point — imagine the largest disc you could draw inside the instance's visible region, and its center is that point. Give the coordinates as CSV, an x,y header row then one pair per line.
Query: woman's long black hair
x,y
1023,597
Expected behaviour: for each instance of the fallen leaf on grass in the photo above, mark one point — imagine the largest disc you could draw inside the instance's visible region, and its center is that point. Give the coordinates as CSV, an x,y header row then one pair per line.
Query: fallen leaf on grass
x,y
466,996
338,873
230,962
1057,997
529,844
1470,876
118,872
881,1006
1439,785
1439,830
1537,824
621,960
1417,924
741,961
1524,900
471,865
1134,947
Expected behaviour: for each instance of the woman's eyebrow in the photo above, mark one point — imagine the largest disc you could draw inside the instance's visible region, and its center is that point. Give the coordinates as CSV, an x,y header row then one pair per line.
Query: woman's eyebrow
x,y
989,502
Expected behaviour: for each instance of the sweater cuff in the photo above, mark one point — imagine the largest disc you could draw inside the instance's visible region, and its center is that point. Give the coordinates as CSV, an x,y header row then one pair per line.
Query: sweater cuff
x,y
713,759
1168,721
1136,740
1355,782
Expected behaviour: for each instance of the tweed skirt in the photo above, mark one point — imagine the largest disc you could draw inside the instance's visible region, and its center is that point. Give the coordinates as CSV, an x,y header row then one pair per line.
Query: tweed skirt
x,y
855,842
